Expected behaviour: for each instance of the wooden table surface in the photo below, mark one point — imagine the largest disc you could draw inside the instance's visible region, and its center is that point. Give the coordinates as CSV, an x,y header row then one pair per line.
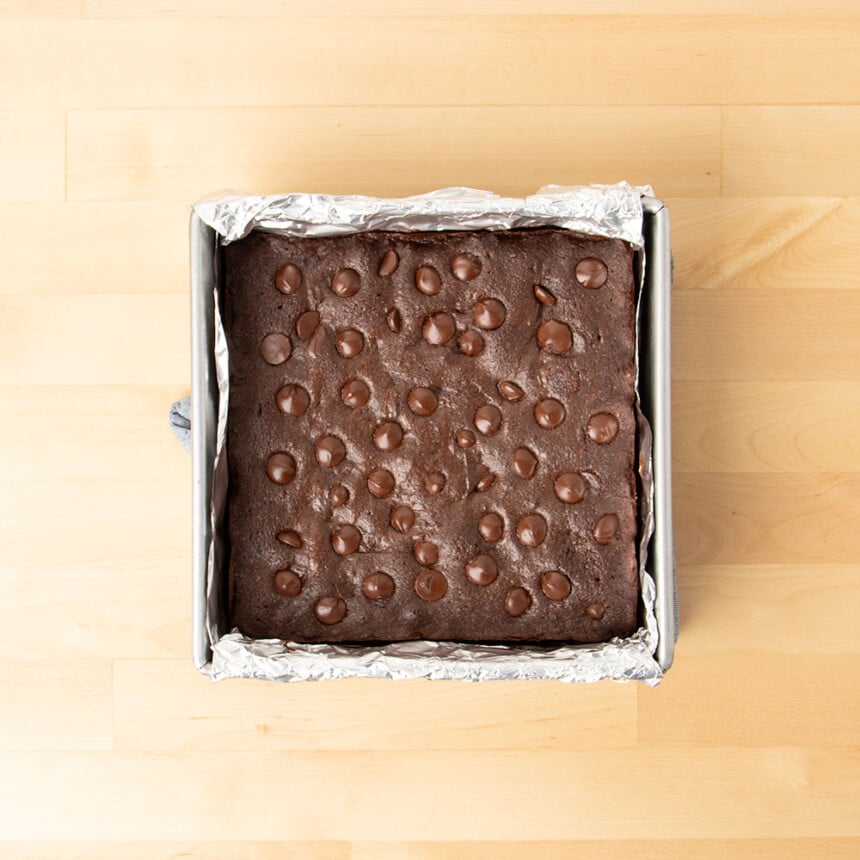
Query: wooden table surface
x,y
744,116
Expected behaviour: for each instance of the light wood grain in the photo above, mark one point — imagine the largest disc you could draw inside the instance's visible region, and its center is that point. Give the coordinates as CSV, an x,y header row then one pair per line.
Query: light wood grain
x,y
361,714
500,60
32,156
773,150
115,116
738,792
184,154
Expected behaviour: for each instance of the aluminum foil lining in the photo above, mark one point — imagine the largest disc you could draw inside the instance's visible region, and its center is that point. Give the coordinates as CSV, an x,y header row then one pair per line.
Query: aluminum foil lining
x,y
612,211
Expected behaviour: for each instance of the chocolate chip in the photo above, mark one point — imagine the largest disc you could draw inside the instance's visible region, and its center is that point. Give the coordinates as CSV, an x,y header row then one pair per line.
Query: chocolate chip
x,y
345,283
517,602
602,428
275,348
510,390
281,468
355,393
595,611
549,413
482,569
330,451
525,463
491,526
389,264
555,585
423,401
426,553
570,488
288,278
543,295
531,530
378,586
488,314
591,273
465,438
291,538
431,585
402,518
394,320
485,480
307,324
293,400
330,610
471,343
555,337
287,583
606,528
427,280
345,539
439,328
388,435
466,267
380,483
338,496
435,483
349,342
488,419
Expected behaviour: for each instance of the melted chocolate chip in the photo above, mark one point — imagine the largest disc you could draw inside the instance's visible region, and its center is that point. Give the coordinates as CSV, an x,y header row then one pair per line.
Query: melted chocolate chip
x,y
602,428
482,569
591,273
471,343
570,488
345,539
423,401
355,393
287,583
394,320
402,518
378,586
488,419
525,463
555,337
466,267
291,538
510,390
275,348
549,413
439,328
555,585
288,278
431,585
606,528
465,438
281,468
346,283
307,324
531,530
427,280
293,400
485,480
488,314
338,496
491,526
349,342
595,611
330,451
517,602
380,483
389,264
543,295
426,553
435,483
388,435
330,610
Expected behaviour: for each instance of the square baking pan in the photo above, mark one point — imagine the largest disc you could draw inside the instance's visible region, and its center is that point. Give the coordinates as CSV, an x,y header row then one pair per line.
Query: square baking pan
x,y
208,596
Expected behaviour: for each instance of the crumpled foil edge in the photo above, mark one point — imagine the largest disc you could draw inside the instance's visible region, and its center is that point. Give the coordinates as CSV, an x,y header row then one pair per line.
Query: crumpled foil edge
x,y
613,211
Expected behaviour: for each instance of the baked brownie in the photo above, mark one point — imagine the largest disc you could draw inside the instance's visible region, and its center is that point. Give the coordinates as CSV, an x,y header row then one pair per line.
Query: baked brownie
x,y
431,436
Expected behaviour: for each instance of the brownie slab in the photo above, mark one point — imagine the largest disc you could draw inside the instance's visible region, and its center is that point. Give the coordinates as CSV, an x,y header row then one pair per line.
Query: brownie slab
x,y
431,436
